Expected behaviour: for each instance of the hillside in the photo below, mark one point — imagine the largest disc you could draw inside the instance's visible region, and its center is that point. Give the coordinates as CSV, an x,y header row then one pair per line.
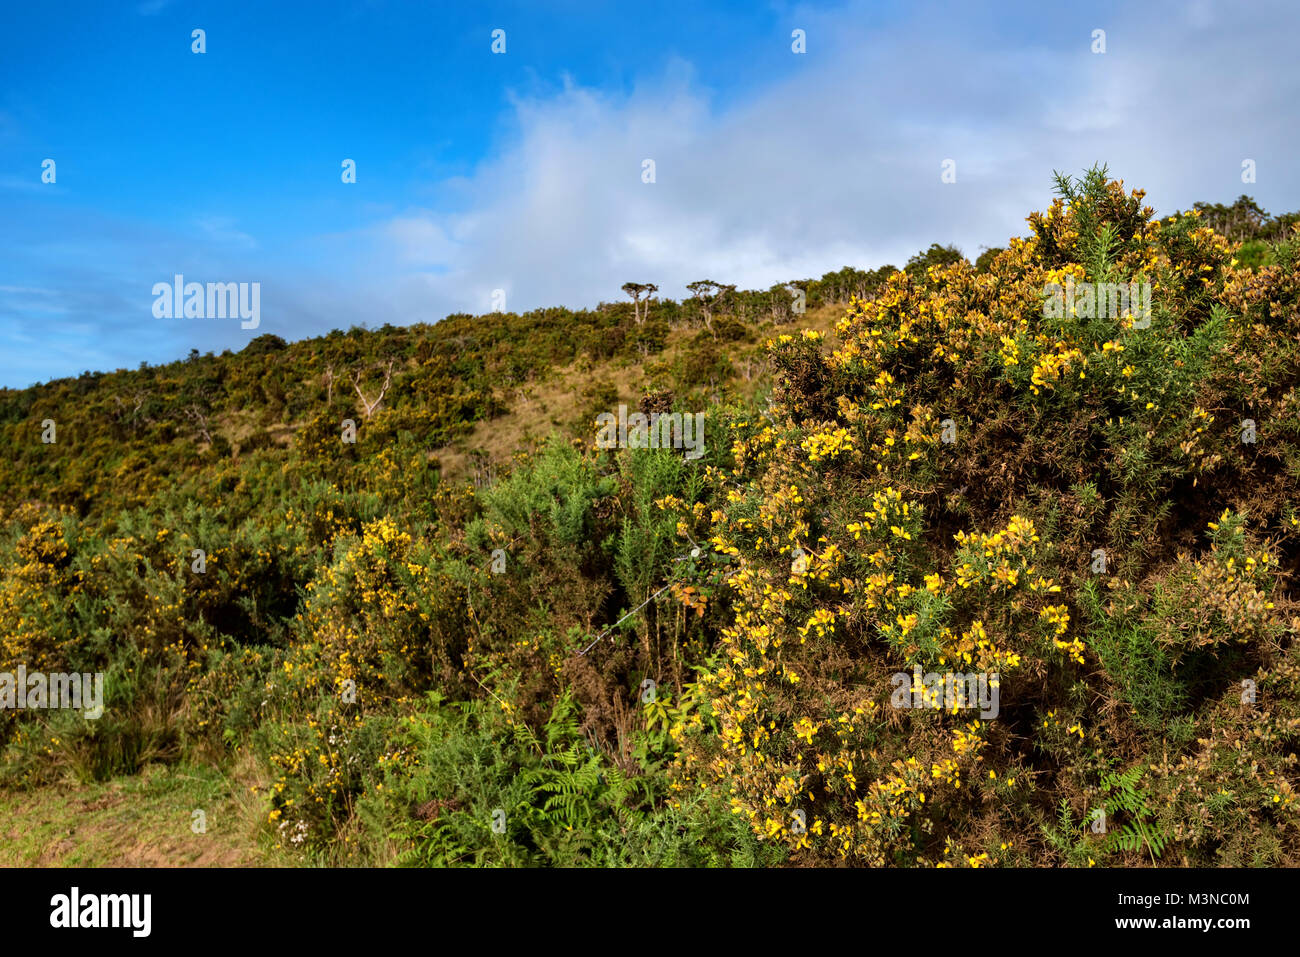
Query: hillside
x,y
473,636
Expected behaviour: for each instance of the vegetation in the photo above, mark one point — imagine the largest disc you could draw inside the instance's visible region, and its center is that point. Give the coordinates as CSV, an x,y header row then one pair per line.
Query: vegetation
x,y
472,637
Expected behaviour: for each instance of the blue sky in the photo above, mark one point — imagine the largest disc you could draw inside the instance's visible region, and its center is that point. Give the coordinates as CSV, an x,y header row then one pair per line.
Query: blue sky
x,y
522,171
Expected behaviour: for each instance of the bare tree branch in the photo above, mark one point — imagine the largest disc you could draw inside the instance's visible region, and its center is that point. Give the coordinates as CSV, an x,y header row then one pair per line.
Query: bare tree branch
x,y
366,403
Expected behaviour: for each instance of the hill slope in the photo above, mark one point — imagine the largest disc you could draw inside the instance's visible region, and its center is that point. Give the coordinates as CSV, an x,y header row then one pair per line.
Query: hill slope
x,y
471,636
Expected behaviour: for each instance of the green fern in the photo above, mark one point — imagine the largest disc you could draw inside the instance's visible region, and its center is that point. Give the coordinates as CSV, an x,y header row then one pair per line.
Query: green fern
x,y
1123,796
571,773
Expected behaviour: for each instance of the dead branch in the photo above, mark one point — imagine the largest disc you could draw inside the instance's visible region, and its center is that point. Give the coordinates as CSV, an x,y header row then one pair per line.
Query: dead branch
x,y
366,403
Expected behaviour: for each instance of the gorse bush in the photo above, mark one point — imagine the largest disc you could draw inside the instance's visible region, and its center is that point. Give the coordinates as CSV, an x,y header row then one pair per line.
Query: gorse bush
x,y
593,656
1067,438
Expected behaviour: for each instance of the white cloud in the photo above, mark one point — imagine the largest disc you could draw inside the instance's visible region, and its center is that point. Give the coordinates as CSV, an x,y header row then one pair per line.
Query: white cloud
x,y
838,161
419,240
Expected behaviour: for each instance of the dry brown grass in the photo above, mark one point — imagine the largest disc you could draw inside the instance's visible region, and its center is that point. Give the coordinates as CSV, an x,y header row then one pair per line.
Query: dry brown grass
x,y
549,406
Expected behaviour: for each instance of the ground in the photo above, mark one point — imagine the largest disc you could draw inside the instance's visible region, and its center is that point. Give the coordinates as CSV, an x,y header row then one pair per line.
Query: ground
x,y
145,820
